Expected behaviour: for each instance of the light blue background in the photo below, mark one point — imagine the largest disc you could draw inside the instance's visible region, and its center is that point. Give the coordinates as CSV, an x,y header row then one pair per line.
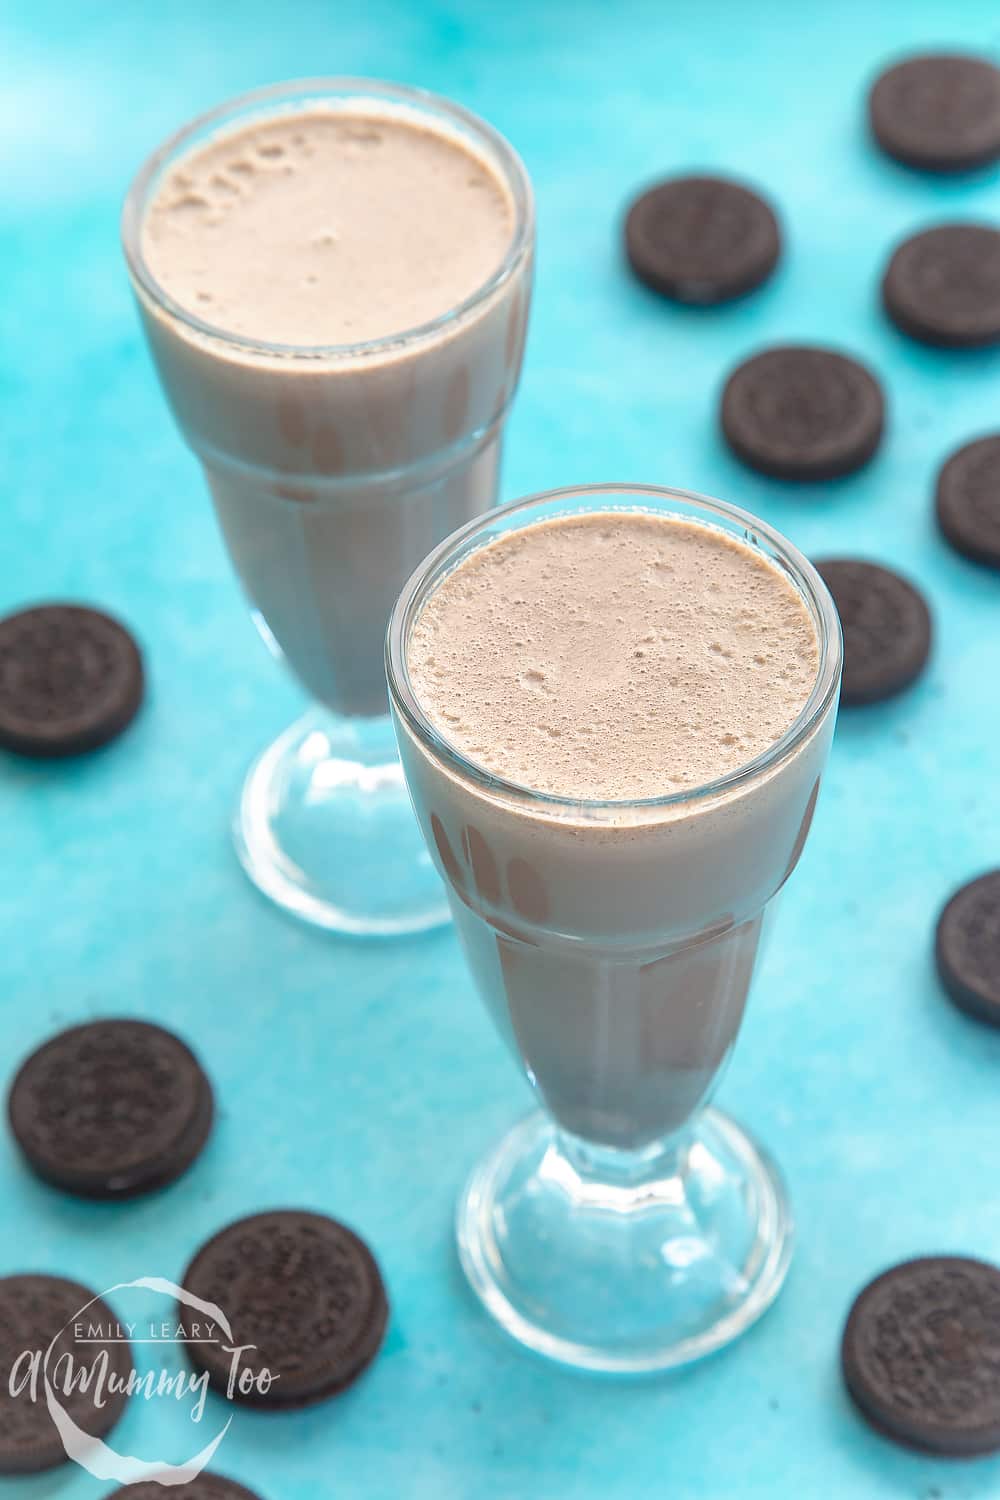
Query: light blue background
x,y
365,1080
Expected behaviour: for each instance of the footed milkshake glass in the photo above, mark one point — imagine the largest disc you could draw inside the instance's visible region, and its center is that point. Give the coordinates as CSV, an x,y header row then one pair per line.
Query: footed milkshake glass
x,y
625,1226
334,469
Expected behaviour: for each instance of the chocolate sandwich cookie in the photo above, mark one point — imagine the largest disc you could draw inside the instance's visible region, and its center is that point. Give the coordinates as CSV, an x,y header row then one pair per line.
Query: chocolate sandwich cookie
x,y
302,1294
799,412
886,625
205,1487
968,500
939,111
111,1109
71,679
942,286
967,948
38,1315
919,1355
701,239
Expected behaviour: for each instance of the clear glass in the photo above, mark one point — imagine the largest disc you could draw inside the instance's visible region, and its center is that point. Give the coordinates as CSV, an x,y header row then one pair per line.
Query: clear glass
x,y
625,1226
333,471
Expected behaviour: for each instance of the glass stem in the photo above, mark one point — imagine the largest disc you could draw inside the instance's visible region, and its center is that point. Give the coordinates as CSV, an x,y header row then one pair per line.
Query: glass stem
x,y
614,1168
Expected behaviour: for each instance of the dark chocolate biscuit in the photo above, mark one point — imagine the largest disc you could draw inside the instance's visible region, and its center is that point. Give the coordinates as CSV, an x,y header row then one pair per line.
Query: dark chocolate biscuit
x,y
942,286
205,1487
968,500
701,239
967,948
939,111
798,412
920,1355
304,1291
70,680
886,625
111,1109
34,1311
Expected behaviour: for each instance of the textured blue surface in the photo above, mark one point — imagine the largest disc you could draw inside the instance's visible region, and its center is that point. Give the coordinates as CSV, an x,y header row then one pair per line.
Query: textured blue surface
x,y
365,1080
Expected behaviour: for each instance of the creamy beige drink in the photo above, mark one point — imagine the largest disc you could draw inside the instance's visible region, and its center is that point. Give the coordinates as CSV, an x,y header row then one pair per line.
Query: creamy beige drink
x,y
575,668
327,226
335,288
613,656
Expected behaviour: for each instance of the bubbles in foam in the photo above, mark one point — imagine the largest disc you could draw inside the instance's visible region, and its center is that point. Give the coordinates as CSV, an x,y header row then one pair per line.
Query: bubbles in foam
x,y
328,225
615,656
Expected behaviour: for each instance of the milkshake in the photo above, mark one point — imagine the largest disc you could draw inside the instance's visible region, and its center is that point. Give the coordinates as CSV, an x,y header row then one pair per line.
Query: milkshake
x,y
614,709
339,225
334,280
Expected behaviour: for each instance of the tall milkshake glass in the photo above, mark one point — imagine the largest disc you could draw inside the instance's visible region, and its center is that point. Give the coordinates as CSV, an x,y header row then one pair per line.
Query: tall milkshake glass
x,y
625,1226
334,467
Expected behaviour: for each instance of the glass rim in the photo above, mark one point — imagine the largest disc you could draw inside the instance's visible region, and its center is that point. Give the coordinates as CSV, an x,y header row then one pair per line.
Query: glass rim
x,y
435,567
514,170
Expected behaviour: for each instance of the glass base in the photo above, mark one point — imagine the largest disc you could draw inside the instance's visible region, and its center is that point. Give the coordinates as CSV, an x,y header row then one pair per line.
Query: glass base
x,y
326,830
625,1263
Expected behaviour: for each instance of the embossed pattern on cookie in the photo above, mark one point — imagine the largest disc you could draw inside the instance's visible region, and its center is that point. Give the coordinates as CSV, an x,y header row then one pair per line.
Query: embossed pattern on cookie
x,y
921,1355
305,1301
111,1109
967,948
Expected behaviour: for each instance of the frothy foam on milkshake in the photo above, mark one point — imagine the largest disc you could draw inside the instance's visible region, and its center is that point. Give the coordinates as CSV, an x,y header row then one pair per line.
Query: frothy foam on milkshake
x,y
614,655
327,226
